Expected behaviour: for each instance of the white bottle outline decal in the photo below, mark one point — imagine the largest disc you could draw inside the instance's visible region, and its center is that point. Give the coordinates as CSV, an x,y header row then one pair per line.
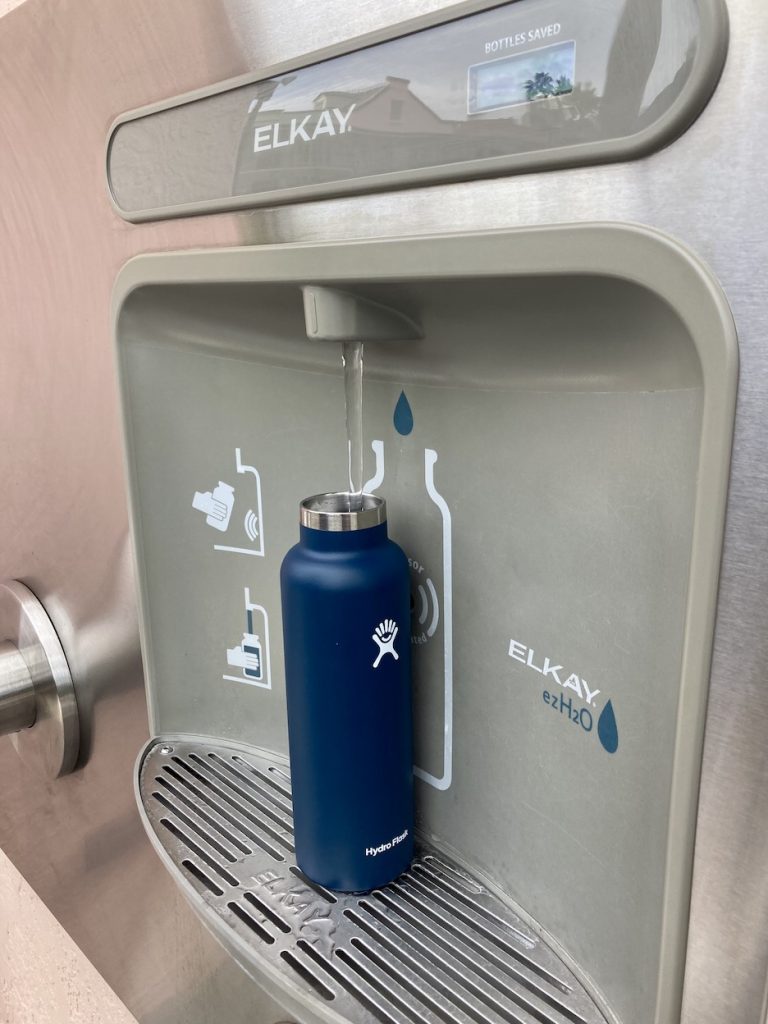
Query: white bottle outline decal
x,y
442,782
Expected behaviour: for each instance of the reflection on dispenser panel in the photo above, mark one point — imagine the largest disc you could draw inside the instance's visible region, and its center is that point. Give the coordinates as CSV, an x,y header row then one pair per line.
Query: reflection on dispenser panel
x,y
494,88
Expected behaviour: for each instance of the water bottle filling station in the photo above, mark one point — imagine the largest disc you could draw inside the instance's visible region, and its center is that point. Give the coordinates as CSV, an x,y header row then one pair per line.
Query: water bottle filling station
x,y
552,440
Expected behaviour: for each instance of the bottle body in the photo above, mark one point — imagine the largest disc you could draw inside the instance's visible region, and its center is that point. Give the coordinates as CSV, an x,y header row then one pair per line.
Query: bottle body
x,y
346,616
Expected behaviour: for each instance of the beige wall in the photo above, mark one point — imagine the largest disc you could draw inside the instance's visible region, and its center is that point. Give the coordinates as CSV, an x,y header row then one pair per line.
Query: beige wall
x,y
44,978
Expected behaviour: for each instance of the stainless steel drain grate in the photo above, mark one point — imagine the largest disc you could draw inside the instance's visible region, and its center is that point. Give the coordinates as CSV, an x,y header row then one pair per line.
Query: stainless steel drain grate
x,y
435,946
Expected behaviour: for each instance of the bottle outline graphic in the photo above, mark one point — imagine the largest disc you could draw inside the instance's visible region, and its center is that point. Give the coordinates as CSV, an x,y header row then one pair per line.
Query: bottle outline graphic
x,y
442,781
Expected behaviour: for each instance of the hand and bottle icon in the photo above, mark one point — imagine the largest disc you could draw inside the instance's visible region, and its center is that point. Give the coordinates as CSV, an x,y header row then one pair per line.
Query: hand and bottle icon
x,y
216,506
251,655
247,656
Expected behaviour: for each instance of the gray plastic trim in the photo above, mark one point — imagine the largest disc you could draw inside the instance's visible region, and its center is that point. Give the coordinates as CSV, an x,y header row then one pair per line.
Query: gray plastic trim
x,y
705,75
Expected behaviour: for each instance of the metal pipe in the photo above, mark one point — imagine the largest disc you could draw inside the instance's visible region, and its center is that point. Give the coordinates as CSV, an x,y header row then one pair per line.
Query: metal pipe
x,y
17,692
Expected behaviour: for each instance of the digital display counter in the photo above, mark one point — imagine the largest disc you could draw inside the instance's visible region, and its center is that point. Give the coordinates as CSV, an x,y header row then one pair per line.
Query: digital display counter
x,y
529,76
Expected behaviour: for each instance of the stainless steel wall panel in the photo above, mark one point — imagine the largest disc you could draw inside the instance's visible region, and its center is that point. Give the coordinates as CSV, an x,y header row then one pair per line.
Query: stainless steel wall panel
x,y
67,69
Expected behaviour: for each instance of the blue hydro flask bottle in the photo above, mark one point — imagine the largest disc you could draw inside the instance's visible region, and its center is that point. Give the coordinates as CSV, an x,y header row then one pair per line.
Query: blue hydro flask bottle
x,y
346,630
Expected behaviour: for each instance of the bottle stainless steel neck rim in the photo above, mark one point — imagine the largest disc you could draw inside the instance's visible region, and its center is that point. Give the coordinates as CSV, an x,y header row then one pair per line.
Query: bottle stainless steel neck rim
x,y
331,512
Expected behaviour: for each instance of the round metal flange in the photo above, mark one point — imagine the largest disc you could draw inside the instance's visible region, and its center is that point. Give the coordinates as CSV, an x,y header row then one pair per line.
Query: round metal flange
x,y
52,743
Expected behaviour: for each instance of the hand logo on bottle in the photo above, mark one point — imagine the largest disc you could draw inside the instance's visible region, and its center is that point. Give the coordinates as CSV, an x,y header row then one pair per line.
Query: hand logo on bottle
x,y
384,636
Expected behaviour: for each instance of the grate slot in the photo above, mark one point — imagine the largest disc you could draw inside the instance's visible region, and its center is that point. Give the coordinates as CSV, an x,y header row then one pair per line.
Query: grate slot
x,y
459,878
199,851
279,796
214,780
416,1014
367,995
410,882
268,776
327,895
262,907
211,819
433,947
448,955
284,773
227,808
396,892
254,793
473,904
427,994
201,876
251,922
197,829
304,972
442,975
229,816
456,941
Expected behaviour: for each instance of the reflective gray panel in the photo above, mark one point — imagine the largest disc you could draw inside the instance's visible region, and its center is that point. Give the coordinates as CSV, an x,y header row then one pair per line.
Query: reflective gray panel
x,y
521,85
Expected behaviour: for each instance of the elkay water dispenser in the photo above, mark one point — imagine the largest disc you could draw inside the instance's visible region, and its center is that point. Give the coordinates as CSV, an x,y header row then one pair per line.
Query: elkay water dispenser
x,y
554,455
552,440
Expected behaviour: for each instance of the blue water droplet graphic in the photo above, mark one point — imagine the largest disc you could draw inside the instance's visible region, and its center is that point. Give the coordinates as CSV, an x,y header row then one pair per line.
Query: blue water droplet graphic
x,y
403,418
607,729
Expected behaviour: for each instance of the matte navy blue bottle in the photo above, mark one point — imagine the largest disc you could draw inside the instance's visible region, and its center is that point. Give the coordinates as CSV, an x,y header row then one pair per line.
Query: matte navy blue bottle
x,y
346,631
